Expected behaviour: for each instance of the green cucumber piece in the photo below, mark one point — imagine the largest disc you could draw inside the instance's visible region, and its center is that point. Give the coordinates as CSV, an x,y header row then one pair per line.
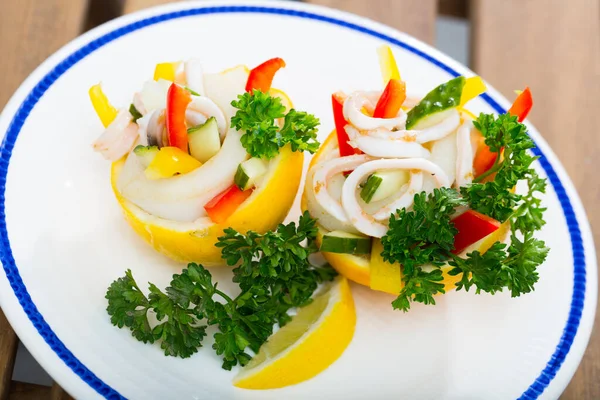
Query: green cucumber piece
x,y
383,184
344,242
204,140
135,114
442,98
248,172
146,154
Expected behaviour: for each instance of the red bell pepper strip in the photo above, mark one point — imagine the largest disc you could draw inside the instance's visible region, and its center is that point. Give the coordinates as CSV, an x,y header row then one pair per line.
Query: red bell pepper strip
x,y
261,77
472,226
223,205
391,99
484,158
177,101
340,123
522,105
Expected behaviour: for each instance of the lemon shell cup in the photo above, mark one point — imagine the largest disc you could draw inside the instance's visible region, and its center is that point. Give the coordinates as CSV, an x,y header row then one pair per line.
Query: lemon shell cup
x,y
267,207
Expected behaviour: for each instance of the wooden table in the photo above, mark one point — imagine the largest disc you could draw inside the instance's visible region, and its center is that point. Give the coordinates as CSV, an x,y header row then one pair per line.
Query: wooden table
x,y
551,45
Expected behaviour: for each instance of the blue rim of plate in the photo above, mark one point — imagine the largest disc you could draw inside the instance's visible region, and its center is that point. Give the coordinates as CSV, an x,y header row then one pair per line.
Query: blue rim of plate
x,y
18,286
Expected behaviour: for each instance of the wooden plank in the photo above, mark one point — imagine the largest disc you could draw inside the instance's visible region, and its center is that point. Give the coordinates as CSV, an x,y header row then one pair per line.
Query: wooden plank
x,y
8,352
28,391
554,47
136,5
31,30
453,8
57,393
415,17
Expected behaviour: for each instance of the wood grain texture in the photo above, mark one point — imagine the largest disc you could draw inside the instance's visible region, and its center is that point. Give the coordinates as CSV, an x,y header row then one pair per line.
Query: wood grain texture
x,y
28,391
136,5
58,393
8,351
553,46
31,30
415,17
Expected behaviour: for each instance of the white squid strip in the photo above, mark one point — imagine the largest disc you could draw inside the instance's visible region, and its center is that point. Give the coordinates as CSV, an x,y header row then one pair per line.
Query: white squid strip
x,y
209,108
139,103
194,76
118,138
443,129
353,113
323,172
366,223
194,118
386,148
404,201
436,132
464,159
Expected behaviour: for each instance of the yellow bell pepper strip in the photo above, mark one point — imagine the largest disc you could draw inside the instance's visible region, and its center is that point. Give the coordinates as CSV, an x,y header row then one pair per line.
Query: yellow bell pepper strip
x,y
220,208
387,64
106,112
474,86
261,77
166,71
391,99
177,101
171,161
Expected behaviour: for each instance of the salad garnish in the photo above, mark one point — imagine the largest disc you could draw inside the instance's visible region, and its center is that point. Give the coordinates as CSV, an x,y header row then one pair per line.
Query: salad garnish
x,y
257,116
274,276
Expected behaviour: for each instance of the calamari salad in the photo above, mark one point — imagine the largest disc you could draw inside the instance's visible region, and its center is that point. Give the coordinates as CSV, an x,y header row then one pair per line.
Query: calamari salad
x,y
194,150
407,184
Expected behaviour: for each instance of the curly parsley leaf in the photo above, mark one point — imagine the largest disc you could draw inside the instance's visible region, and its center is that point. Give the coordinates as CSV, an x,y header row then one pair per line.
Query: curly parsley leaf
x,y
419,286
128,306
422,240
424,235
257,117
497,199
180,334
274,276
300,129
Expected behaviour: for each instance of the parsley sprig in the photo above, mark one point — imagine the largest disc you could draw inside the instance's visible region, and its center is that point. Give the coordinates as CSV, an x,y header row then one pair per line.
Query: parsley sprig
x,y
508,138
257,117
274,276
422,239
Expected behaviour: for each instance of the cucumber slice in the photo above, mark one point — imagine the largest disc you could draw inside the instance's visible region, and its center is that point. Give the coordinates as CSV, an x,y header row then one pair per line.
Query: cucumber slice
x,y
248,172
442,98
146,154
383,184
204,140
344,242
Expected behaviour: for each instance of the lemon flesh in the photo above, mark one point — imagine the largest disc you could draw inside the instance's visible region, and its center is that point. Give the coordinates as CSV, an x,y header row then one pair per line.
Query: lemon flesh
x,y
313,340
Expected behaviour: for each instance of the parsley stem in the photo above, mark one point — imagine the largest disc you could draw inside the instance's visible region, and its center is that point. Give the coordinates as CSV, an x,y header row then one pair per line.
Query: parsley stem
x,y
495,168
224,296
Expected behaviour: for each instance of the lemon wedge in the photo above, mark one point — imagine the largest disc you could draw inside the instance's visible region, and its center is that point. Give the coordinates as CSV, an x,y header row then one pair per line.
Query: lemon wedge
x,y
306,346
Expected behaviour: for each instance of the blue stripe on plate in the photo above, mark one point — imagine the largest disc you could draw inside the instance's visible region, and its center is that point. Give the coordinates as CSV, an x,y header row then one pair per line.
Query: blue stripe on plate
x,y
12,273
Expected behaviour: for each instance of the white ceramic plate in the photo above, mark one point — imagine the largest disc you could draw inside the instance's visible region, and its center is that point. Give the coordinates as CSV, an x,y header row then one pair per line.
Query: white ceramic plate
x,y
64,240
